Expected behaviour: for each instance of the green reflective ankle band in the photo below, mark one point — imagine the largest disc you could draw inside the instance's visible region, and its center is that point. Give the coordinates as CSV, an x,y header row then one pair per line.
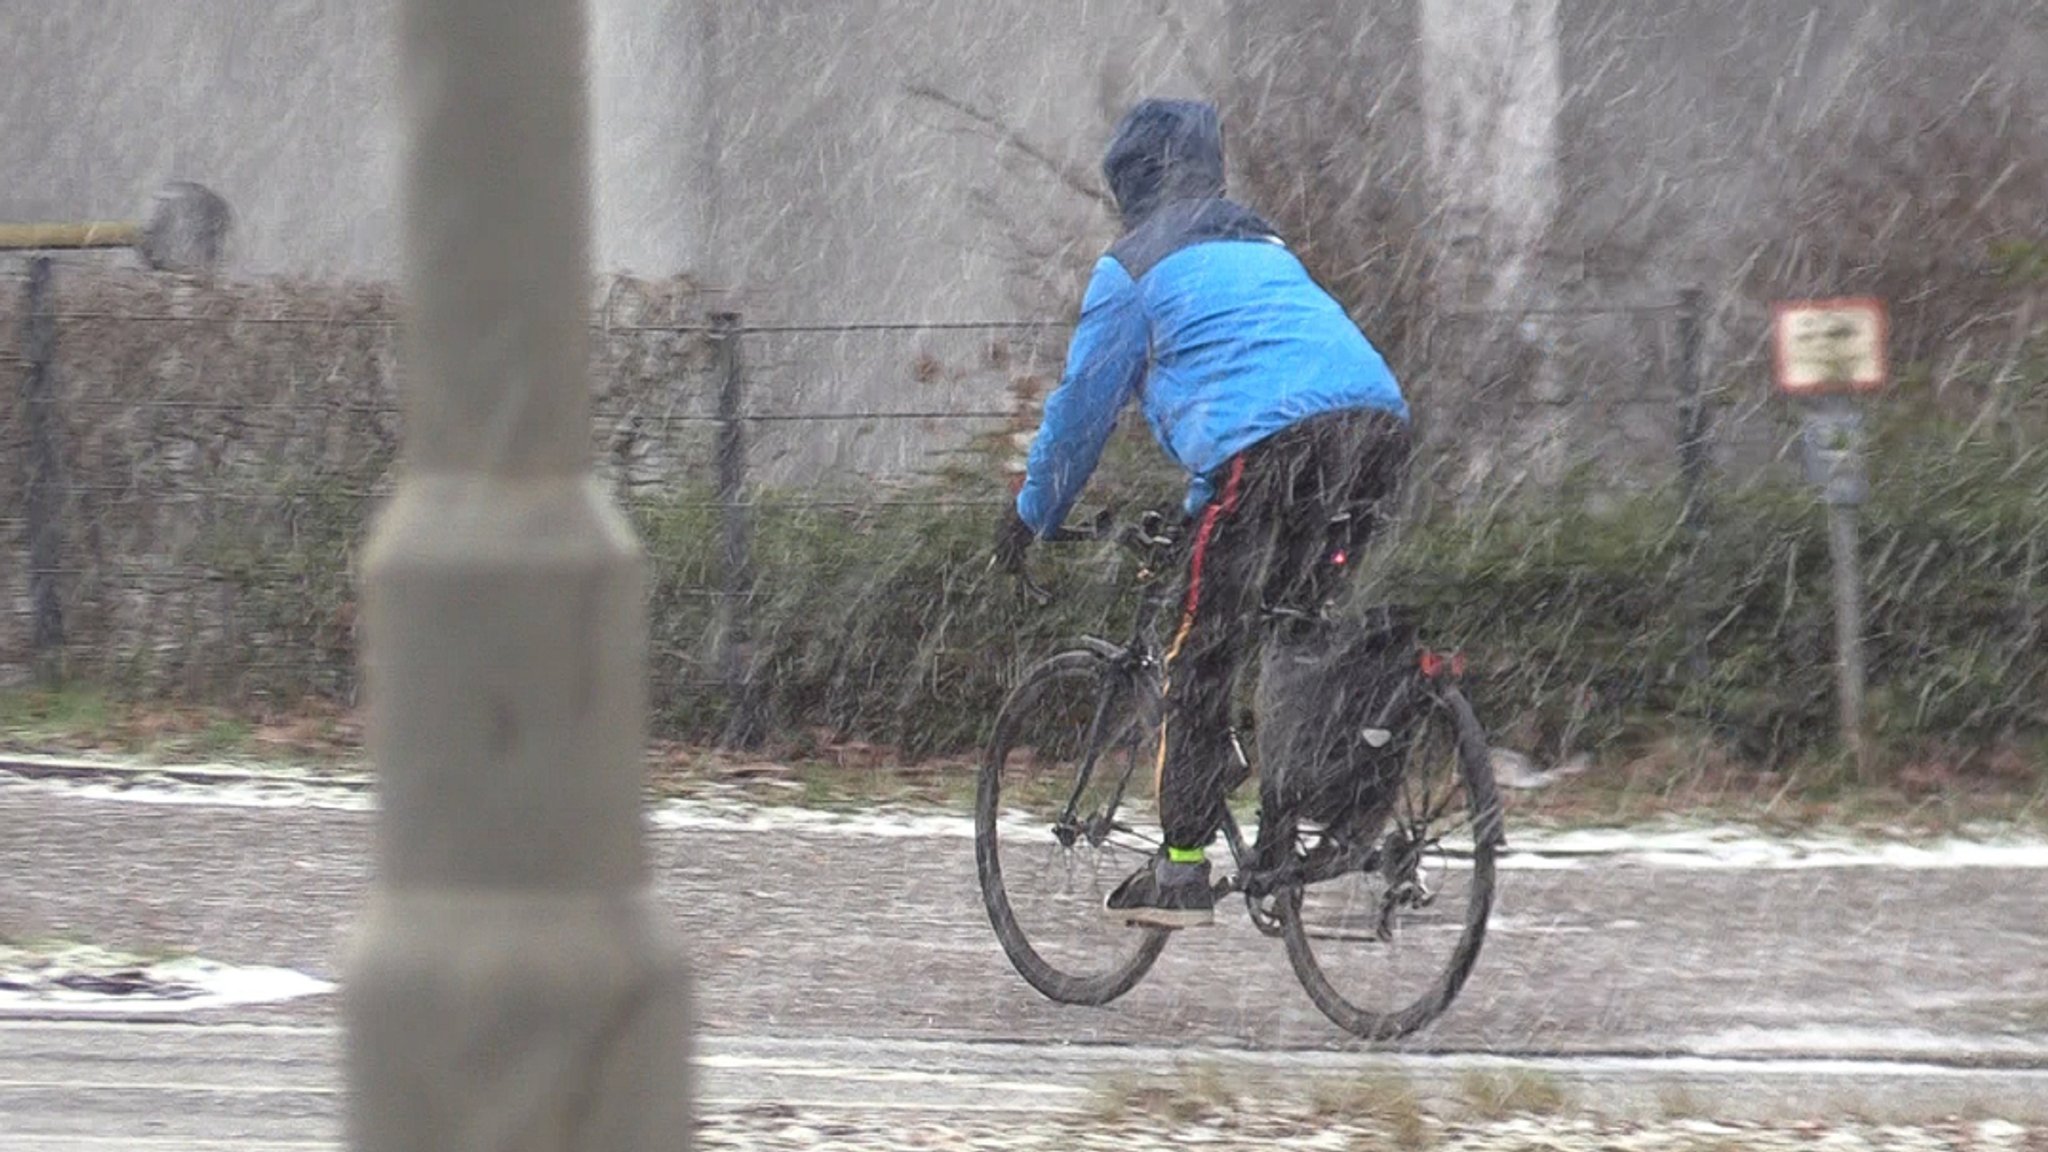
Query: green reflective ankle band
x,y
1186,855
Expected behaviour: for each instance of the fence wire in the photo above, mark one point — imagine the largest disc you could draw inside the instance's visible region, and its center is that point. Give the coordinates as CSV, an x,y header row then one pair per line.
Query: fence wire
x,y
215,467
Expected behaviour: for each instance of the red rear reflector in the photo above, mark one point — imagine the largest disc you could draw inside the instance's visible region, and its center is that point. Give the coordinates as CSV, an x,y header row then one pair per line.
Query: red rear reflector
x,y
1432,664
1339,558
1457,663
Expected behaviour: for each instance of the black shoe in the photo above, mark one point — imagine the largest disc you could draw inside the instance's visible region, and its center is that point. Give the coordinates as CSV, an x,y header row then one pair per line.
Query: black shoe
x,y
1164,894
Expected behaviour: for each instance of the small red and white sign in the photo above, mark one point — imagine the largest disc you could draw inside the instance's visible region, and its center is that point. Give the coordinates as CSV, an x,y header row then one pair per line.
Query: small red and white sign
x,y
1830,346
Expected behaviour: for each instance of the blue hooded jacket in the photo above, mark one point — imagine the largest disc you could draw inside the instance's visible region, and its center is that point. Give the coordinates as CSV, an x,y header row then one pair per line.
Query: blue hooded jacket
x,y
1202,313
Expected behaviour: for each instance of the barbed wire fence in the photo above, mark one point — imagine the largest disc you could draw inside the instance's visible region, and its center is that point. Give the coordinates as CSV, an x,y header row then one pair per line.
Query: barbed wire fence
x,y
194,470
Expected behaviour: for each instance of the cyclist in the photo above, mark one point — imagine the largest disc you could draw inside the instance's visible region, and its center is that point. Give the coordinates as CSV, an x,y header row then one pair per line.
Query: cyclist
x,y
1260,386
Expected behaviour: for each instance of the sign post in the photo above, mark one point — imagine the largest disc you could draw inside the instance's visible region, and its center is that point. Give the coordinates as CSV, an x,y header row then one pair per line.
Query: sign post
x,y
1827,353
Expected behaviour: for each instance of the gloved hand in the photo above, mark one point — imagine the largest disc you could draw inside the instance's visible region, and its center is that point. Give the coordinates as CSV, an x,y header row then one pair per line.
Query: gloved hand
x,y
1013,539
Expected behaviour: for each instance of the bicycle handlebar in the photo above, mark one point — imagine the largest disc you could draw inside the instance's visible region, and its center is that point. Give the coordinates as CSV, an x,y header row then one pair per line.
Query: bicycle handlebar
x,y
1104,522
1146,539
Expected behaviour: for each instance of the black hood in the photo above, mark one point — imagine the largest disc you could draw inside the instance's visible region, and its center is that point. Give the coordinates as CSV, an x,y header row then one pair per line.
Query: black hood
x,y
1164,150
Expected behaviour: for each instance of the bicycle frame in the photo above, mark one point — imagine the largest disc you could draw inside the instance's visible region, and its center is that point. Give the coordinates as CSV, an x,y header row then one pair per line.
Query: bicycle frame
x,y
1384,826
1333,857
1137,657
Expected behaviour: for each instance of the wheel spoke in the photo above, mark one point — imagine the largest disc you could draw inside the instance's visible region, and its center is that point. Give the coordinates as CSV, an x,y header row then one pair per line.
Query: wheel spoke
x,y
1425,791
1436,839
1133,840
1075,714
1382,951
1131,852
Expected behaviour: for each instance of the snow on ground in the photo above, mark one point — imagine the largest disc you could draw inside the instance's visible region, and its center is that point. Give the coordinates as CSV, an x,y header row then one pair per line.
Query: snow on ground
x,y
1673,844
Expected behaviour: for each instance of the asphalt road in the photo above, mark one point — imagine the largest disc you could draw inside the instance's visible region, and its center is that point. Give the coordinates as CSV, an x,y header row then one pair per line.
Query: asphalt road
x,y
1776,993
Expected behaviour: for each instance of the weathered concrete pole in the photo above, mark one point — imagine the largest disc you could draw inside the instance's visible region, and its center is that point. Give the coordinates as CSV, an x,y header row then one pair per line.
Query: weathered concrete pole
x,y
510,985
1492,92
1492,98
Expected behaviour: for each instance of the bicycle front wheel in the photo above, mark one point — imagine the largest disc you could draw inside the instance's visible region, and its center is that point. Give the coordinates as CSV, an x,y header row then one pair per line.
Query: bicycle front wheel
x,y
1064,812
1384,946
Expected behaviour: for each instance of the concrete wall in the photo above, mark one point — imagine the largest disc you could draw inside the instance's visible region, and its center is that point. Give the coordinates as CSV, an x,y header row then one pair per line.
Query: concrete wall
x,y
1586,153
764,145
1688,126
285,108
929,160
857,161
1773,150
776,147
917,160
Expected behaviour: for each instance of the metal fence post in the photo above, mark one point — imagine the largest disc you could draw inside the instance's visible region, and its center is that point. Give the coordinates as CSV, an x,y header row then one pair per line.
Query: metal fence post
x,y
735,648
45,495
1692,468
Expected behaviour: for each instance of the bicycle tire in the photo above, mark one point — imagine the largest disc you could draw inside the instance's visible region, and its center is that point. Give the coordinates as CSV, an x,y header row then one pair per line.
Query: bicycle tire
x,y
1484,804
1019,709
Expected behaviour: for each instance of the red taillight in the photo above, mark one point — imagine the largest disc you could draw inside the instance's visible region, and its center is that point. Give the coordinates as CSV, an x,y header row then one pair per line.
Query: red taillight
x,y
1339,558
1435,664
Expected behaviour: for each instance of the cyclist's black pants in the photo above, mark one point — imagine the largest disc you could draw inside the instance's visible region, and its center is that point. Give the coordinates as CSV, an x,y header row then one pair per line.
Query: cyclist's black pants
x,y
1266,540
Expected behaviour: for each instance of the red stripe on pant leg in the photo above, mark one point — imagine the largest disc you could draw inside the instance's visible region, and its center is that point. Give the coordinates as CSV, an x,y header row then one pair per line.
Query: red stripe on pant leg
x,y
1215,512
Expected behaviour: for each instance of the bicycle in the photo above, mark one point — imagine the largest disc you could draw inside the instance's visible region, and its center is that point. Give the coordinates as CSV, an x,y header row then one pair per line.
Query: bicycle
x,y
1345,883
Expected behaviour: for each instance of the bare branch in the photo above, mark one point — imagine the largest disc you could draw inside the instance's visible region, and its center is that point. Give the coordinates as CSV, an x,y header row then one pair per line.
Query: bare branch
x,y
1076,180
1183,46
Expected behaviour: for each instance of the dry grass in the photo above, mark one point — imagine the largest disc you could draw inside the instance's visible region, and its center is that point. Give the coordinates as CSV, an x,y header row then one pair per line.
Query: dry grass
x,y
1500,1095
1200,1090
1122,1098
1114,1100
1385,1101
80,721
1677,1102
1208,1084
1693,776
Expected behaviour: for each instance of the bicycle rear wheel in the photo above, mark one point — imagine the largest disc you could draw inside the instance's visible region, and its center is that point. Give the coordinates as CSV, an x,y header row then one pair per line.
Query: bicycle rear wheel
x,y
1063,812
1384,946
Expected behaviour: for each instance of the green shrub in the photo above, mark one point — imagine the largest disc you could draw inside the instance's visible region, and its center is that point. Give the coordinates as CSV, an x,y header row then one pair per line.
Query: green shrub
x,y
1578,621
885,625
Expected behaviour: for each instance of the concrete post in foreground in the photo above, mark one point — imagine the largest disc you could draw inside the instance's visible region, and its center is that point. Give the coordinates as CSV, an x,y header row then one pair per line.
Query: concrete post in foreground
x,y
510,985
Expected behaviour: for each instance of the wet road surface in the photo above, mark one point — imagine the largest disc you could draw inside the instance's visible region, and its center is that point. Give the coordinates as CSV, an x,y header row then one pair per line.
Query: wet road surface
x,y
848,965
